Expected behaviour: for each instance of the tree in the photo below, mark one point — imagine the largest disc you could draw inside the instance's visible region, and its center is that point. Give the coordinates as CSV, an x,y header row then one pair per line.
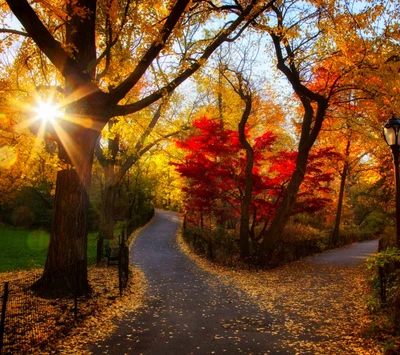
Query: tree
x,y
242,87
244,91
216,173
87,41
313,55
117,157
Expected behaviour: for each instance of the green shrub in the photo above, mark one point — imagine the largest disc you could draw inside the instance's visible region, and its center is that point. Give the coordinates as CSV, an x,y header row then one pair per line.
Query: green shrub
x,y
388,237
385,286
218,244
39,203
23,216
297,231
140,219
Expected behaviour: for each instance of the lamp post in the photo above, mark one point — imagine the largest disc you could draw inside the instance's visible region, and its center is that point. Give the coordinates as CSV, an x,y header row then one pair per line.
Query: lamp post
x,y
391,131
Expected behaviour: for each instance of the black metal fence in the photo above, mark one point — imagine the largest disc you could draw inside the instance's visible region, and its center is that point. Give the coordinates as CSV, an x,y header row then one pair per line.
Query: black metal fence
x,y
29,318
383,273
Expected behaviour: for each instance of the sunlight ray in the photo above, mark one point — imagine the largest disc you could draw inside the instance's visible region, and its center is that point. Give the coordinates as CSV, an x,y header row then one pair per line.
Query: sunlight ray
x,y
85,122
37,142
68,143
71,149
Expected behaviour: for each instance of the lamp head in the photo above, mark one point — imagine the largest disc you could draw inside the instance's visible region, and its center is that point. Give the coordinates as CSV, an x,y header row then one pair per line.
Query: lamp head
x,y
391,130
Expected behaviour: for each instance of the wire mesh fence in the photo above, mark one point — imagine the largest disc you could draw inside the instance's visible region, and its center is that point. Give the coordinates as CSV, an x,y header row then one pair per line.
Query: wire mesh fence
x,y
30,318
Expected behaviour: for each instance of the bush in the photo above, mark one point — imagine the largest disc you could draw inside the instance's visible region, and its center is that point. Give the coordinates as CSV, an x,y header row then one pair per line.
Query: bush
x,y
30,208
295,232
144,216
218,244
298,241
385,286
388,238
23,217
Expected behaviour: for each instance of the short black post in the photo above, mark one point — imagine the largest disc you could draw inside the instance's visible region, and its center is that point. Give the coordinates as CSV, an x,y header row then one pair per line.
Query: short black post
x,y
382,270
99,251
120,269
382,285
76,291
3,315
121,243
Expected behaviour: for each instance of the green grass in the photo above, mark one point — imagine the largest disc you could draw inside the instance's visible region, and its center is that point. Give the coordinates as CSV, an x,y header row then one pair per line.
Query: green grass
x,y
92,247
27,249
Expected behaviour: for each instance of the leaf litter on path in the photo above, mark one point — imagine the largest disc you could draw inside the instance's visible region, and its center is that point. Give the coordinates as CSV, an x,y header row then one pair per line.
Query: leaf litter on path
x,y
323,307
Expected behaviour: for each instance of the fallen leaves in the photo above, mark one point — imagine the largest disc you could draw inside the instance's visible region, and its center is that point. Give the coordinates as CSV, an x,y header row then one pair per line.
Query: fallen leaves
x,y
316,309
95,313
102,323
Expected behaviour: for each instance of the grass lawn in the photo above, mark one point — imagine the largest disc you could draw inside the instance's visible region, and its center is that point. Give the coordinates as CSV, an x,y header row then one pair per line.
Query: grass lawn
x,y
26,249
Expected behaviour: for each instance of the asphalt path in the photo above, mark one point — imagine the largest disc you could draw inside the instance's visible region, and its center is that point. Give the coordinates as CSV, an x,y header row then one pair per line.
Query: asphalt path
x,y
350,255
187,311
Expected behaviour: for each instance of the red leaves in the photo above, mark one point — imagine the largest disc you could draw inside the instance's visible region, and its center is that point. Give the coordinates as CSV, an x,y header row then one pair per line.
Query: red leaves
x,y
214,169
264,142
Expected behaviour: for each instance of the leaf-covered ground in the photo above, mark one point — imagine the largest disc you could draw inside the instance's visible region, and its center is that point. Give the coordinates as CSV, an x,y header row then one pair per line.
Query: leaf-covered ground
x,y
102,322
95,313
323,307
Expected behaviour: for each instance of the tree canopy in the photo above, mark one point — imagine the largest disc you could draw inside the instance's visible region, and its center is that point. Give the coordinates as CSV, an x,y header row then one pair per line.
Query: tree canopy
x,y
274,105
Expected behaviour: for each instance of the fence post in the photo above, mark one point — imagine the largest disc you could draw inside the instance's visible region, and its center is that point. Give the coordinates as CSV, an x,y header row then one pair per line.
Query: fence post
x,y
99,251
382,284
120,271
76,291
121,241
3,315
382,270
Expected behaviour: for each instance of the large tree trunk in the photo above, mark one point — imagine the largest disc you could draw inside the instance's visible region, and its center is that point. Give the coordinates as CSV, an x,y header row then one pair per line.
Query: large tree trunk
x,y
336,229
310,128
285,210
66,264
315,106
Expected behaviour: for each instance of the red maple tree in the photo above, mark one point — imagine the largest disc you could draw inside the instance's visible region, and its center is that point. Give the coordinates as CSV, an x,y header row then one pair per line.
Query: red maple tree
x,y
214,169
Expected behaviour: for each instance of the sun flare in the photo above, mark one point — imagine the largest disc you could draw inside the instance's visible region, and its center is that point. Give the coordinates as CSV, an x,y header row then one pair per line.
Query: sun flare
x,y
47,111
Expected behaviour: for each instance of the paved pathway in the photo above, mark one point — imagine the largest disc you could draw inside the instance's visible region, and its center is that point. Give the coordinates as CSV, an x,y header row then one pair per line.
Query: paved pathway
x,y
350,255
187,310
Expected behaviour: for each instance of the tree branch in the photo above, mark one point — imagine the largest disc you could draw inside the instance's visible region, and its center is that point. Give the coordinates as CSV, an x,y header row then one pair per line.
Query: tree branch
x,y
133,158
223,36
50,47
176,13
14,32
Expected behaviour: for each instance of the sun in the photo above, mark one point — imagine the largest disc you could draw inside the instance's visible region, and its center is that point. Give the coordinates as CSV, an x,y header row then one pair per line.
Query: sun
x,y
47,111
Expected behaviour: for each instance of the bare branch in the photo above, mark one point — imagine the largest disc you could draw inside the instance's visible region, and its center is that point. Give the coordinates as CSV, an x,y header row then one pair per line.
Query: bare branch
x,y
223,36
14,32
121,90
49,46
